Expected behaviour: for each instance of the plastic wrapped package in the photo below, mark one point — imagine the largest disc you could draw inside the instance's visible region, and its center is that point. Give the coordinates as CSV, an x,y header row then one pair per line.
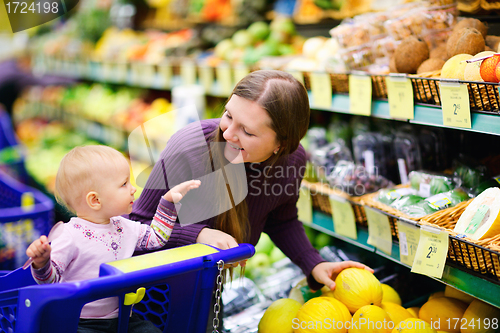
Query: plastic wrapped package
x,y
432,142
421,21
471,173
369,152
316,138
434,203
350,33
325,158
354,179
428,183
407,153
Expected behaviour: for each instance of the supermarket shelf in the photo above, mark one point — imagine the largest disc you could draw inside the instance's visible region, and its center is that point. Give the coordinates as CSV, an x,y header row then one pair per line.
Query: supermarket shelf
x,y
424,115
471,284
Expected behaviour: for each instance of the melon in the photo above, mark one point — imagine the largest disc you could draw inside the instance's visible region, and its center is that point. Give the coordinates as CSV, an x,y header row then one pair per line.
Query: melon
x,y
455,293
279,316
396,313
322,314
357,287
442,311
479,312
436,294
389,294
370,319
414,311
413,325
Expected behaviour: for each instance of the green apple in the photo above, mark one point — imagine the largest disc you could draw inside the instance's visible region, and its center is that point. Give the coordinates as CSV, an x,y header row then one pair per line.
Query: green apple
x,y
322,240
276,255
264,245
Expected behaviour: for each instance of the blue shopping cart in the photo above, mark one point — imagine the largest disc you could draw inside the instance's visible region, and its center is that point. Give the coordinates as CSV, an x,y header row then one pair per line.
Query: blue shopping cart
x,y
179,285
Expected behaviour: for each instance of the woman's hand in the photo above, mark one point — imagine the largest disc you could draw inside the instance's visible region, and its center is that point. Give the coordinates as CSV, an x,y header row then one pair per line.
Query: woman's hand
x,y
220,240
326,272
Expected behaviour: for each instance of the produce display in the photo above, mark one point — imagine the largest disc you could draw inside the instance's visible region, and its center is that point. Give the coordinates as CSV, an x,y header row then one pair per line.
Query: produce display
x,y
359,304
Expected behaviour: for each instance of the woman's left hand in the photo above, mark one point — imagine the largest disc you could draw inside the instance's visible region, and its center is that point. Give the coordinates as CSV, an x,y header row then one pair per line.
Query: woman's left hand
x,y
326,272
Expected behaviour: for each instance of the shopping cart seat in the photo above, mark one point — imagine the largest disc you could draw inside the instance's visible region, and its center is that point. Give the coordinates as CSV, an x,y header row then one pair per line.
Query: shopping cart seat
x,y
188,272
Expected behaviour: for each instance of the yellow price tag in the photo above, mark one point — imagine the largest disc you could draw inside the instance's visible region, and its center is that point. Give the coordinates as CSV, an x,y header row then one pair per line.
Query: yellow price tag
x,y
400,95
188,72
224,79
304,206
239,72
455,104
360,94
379,230
107,71
27,201
165,70
298,75
206,77
343,217
409,236
321,88
431,252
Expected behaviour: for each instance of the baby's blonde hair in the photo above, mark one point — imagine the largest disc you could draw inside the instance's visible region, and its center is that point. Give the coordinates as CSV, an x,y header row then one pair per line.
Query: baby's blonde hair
x,y
80,171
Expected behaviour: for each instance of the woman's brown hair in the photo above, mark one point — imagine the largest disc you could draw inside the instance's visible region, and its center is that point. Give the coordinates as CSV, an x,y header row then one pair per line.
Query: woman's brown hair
x,y
286,102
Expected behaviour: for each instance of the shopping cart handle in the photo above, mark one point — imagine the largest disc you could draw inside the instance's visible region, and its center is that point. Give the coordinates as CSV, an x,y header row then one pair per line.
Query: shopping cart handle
x,y
234,254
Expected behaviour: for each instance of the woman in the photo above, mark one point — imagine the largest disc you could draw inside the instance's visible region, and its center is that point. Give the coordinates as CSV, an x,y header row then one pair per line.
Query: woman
x,y
264,120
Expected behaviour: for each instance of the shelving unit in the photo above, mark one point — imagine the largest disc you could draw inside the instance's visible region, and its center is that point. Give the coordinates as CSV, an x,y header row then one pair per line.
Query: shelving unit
x,y
455,277
470,283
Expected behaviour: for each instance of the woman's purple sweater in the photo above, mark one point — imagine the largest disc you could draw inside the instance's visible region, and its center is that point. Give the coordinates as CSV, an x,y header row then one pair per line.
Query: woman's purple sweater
x,y
271,199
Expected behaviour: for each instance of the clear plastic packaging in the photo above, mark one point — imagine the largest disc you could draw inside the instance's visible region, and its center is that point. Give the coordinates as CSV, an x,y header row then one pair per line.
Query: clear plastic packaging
x,y
369,152
432,142
407,153
325,158
429,183
354,179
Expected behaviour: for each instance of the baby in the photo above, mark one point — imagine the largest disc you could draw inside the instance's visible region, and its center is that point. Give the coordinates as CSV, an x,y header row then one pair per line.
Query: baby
x,y
94,182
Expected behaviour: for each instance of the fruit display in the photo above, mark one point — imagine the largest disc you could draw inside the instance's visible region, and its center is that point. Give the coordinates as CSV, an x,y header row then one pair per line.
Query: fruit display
x,y
259,40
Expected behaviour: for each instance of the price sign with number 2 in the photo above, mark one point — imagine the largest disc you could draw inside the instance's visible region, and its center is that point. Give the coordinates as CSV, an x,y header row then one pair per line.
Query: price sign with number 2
x,y
431,252
456,107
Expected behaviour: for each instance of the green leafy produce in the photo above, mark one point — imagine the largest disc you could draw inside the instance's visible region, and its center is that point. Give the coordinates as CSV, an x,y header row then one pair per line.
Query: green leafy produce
x,y
435,203
440,185
388,196
406,200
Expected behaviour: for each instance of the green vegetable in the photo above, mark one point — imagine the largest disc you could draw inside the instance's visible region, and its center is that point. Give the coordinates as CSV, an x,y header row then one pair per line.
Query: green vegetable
x,y
440,185
406,200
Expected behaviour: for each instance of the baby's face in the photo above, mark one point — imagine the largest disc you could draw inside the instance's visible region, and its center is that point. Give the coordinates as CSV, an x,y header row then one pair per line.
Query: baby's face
x,y
116,192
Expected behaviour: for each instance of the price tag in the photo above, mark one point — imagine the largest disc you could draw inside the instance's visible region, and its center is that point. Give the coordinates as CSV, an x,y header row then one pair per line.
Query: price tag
x,y
298,75
27,201
304,206
223,73
188,72
321,88
409,236
400,95
165,71
431,252
360,94
455,104
379,230
343,217
239,72
206,77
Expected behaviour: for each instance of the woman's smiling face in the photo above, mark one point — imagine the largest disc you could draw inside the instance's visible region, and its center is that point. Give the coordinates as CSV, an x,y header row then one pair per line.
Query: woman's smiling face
x,y
247,130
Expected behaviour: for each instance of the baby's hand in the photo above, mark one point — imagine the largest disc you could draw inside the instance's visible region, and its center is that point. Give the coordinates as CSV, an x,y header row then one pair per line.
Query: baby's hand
x,y
39,251
178,192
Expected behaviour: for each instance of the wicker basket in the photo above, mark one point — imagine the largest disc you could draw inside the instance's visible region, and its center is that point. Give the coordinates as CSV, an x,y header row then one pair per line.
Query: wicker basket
x,y
426,88
379,86
340,82
320,195
483,96
481,256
